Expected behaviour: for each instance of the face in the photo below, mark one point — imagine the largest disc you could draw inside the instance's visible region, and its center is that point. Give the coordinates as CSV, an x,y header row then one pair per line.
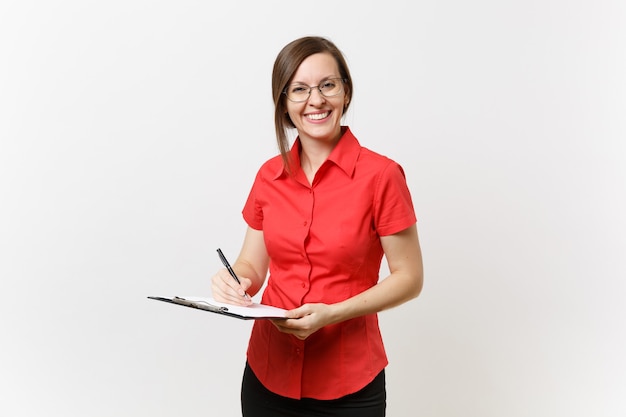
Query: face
x,y
319,117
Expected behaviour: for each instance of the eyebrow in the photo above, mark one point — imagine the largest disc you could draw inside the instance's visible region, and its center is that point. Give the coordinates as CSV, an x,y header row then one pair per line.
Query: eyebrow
x,y
320,81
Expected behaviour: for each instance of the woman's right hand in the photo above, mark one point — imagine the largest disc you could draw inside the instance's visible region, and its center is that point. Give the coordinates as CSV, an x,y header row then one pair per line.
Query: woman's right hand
x,y
226,290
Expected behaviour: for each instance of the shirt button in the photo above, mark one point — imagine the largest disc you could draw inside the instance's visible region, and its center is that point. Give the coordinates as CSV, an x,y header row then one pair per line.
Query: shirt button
x,y
305,223
303,285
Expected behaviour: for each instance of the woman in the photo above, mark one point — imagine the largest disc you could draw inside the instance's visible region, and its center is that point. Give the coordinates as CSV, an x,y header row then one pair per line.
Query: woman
x,y
320,217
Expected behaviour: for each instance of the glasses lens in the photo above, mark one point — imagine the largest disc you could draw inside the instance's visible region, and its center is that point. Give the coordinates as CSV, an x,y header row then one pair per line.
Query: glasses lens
x,y
297,92
331,87
301,92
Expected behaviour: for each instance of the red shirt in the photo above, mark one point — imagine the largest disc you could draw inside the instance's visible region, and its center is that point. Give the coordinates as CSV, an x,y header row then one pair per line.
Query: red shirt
x,y
324,246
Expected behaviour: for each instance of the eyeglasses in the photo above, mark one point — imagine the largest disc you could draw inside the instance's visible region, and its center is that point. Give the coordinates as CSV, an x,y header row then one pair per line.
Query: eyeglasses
x,y
301,92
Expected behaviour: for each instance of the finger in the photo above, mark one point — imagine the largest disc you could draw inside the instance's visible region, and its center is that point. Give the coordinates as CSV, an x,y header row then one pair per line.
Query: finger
x,y
299,312
299,333
284,325
227,290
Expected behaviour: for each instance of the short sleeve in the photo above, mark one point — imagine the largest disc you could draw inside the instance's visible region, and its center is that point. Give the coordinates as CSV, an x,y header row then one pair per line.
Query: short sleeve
x,y
252,210
393,205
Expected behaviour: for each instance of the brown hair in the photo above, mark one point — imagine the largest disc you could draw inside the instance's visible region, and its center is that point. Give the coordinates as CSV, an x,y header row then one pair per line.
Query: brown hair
x,y
285,66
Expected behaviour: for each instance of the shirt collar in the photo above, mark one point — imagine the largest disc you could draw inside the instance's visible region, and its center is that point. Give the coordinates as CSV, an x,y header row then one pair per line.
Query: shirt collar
x,y
344,155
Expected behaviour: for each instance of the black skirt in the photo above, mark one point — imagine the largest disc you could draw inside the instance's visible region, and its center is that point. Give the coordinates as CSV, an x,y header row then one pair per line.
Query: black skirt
x,y
258,401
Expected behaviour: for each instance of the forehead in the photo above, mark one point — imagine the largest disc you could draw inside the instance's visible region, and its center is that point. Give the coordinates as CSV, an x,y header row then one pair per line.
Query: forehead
x,y
315,68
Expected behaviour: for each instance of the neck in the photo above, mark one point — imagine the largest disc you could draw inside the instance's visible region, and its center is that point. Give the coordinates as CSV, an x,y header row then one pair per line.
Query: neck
x,y
313,154
311,160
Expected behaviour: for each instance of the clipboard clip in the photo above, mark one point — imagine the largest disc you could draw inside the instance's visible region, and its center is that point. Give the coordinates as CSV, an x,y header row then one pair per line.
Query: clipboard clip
x,y
202,305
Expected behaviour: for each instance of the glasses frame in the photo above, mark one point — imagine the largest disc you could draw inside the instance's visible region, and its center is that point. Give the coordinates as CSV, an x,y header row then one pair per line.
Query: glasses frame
x,y
311,87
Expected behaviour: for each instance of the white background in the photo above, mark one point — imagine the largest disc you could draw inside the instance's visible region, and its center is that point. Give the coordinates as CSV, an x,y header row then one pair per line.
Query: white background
x,y
130,135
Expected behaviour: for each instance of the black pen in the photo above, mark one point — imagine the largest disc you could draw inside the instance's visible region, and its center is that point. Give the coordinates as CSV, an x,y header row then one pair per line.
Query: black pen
x,y
230,269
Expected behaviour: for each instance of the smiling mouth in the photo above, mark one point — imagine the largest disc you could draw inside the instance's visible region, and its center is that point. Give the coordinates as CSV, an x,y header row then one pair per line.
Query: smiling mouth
x,y
318,116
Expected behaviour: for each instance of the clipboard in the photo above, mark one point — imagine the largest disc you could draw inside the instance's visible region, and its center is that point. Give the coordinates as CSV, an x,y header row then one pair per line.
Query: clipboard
x,y
255,311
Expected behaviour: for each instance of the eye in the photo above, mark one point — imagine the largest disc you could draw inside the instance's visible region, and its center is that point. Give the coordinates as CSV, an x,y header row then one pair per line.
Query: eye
x,y
328,85
298,89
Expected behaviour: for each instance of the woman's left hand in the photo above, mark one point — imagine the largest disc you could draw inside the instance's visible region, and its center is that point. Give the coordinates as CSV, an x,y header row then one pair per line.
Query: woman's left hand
x,y
303,321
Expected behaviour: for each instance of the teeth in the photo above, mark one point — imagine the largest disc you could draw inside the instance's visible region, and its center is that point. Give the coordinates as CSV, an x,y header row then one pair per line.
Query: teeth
x,y
318,116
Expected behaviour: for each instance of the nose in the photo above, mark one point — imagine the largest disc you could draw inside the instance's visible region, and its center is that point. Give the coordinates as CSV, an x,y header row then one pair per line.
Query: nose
x,y
316,96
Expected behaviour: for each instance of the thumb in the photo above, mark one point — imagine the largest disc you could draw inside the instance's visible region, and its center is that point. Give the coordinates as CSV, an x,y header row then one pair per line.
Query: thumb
x,y
297,313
